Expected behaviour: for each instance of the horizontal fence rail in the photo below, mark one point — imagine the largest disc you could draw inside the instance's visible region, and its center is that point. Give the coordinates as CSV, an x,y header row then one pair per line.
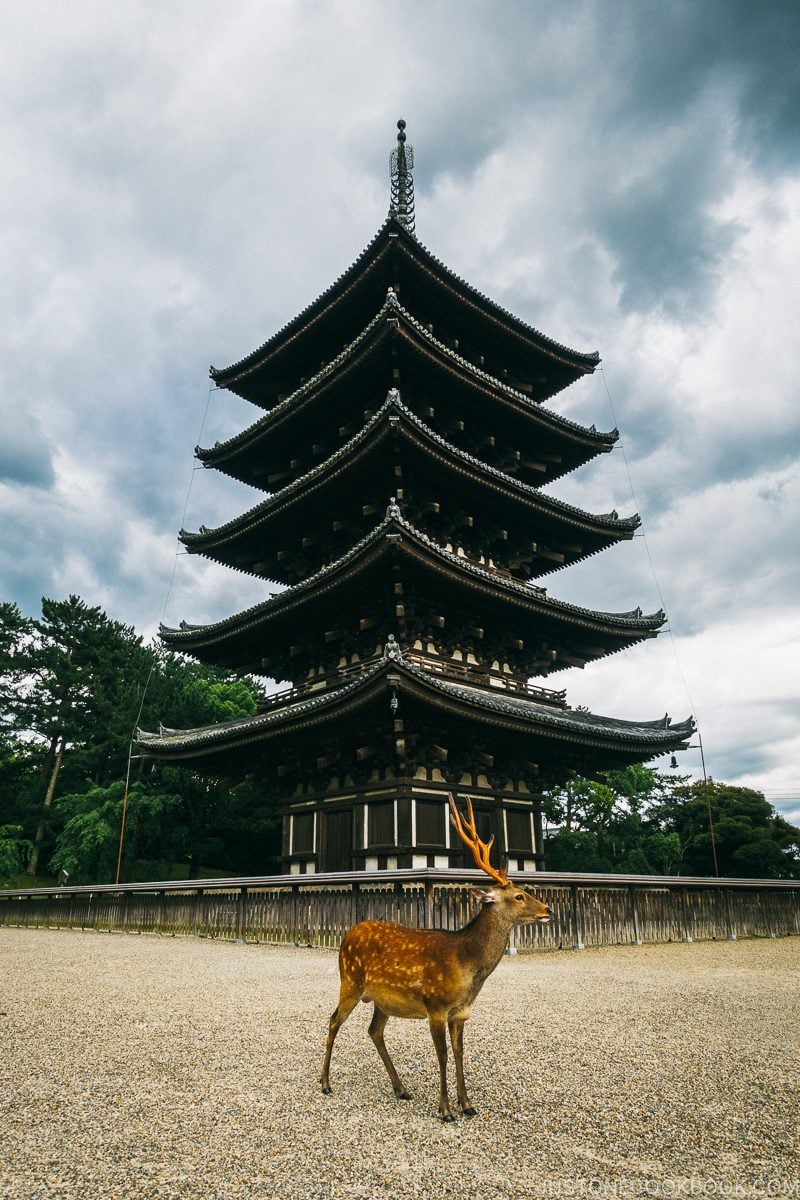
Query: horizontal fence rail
x,y
316,910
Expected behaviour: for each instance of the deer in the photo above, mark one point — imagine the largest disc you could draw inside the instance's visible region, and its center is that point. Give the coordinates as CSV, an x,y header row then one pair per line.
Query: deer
x,y
431,974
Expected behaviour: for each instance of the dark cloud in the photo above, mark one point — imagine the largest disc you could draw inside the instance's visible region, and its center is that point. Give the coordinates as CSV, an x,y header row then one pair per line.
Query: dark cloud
x,y
25,453
188,177
680,50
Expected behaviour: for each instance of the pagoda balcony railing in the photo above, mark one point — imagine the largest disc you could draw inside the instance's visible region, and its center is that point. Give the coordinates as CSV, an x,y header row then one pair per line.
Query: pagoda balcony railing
x,y
479,676
446,668
317,910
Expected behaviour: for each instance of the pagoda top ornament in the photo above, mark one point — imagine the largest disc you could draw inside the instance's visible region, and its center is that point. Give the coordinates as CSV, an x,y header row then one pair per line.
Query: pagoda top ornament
x,y
401,164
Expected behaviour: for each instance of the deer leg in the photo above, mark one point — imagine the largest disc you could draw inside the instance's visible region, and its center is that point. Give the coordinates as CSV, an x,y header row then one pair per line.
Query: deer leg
x,y
376,1028
348,999
457,1042
438,1027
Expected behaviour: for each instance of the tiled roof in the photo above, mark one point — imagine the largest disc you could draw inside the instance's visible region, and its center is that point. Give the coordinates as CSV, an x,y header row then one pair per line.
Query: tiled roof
x,y
559,722
606,522
633,620
393,309
572,720
251,361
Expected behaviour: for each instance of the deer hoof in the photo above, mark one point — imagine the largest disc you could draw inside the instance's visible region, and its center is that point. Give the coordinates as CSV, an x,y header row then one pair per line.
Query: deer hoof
x,y
469,1112
404,1095
448,1118
326,1091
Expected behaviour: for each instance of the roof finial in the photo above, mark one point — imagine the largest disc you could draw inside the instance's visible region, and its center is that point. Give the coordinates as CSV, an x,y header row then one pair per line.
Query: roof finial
x,y
401,166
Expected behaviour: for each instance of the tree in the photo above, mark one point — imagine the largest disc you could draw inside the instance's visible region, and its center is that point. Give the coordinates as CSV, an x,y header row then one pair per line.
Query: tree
x,y
73,686
70,669
607,825
751,840
14,850
87,846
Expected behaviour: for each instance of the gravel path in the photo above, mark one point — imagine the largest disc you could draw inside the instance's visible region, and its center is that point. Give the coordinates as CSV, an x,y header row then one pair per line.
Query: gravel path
x,y
146,1067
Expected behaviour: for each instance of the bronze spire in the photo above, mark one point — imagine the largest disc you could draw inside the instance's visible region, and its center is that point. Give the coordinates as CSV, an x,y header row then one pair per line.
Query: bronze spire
x,y
402,185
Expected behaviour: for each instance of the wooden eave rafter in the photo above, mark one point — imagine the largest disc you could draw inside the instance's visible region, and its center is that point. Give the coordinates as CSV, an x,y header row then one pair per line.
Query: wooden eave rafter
x,y
499,322
326,322
236,455
545,726
241,542
292,341
236,639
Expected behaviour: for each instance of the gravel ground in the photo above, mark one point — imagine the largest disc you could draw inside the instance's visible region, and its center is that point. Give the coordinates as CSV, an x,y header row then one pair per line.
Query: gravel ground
x,y
168,1069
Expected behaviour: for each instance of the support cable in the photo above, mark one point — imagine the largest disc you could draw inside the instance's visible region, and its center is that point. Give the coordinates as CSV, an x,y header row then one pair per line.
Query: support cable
x,y
672,642
167,598
653,569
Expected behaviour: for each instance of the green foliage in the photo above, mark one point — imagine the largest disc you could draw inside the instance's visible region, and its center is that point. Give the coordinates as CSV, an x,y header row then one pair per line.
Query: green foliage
x,y
640,822
14,852
750,839
74,684
608,826
88,845
73,687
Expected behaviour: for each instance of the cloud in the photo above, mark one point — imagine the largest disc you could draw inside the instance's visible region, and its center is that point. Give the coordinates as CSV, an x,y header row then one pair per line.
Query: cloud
x,y
626,178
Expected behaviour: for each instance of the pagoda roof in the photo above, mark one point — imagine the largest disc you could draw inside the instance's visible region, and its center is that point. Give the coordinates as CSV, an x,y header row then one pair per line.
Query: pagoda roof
x,y
395,256
549,730
237,455
240,640
241,542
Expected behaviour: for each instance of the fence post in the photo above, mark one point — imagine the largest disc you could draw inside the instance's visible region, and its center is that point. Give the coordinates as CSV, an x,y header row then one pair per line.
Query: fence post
x,y
686,914
428,904
729,916
397,897
295,934
197,912
240,914
766,908
577,919
637,936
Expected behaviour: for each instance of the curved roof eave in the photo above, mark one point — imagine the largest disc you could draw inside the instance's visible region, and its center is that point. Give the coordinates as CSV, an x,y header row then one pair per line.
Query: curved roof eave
x,y
502,708
392,308
583,362
608,523
635,620
586,360
225,376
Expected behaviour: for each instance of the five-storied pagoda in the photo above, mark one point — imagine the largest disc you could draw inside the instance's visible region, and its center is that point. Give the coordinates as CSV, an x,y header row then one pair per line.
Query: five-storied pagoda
x,y
402,451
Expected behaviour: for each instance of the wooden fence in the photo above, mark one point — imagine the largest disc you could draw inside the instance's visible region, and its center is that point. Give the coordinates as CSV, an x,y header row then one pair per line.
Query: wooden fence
x,y
316,910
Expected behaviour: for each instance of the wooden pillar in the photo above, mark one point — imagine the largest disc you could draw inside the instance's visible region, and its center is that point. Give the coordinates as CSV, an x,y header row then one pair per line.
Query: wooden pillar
x,y
731,930
295,918
241,914
577,918
428,904
634,898
766,908
686,918
197,911
538,833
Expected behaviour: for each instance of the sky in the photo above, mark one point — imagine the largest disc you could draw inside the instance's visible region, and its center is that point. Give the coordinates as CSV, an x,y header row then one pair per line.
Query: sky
x,y
181,179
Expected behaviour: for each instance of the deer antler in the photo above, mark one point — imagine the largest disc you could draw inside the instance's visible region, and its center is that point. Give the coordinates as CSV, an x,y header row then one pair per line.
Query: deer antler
x,y
465,828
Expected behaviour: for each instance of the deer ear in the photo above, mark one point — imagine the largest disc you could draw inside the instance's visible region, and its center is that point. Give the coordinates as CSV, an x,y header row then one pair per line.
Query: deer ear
x,y
485,895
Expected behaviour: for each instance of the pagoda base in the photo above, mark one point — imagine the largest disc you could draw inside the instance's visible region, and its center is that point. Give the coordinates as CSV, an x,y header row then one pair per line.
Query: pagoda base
x,y
407,826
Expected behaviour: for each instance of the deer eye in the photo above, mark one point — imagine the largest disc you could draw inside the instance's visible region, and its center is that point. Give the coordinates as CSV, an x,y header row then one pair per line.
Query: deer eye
x,y
519,896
